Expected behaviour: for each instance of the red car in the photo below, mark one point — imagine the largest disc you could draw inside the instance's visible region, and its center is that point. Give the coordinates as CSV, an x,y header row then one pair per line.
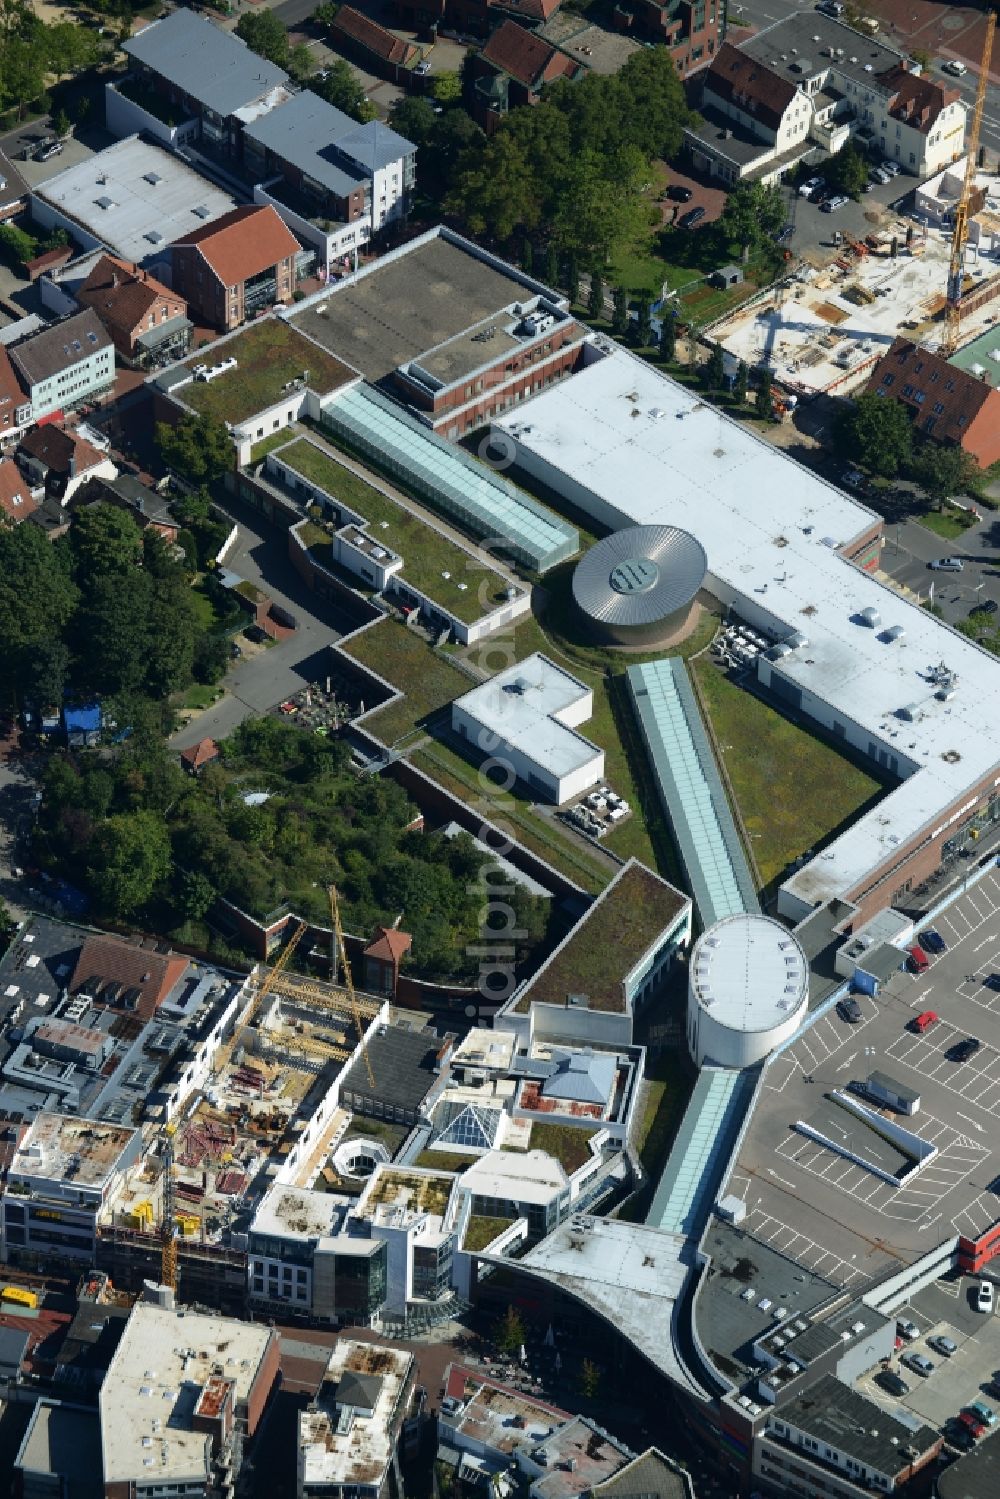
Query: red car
x,y
924,1022
973,1422
917,960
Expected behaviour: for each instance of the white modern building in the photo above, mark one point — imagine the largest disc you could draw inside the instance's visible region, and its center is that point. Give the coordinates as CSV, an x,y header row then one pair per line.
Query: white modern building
x,y
65,363
523,721
792,557
413,1210
748,990
303,1258
63,1173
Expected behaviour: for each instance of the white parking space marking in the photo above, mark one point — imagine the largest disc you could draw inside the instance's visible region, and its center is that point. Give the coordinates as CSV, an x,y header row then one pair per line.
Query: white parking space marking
x,y
827,1036
805,1251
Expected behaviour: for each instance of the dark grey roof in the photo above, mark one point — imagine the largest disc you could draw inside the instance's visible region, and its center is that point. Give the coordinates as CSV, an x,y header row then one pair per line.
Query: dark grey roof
x,y
208,64
15,188
838,1416
583,1077
974,1476
326,144
60,346
360,1390
13,1347
789,48
403,1064
651,1475
63,1442
55,946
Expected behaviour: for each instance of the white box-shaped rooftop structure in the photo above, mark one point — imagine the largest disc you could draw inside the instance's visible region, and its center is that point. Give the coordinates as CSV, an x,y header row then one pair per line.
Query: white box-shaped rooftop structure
x,y
524,719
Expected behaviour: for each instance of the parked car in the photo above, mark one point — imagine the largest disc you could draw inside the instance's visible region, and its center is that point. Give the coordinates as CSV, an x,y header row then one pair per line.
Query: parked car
x,y
892,167
54,148
832,204
880,175
945,1346
974,1425
849,1009
984,1295
853,478
907,1329
807,188
992,981
932,941
956,68
916,960
984,1412
988,606
919,1363
946,565
961,1052
924,1021
678,193
692,217
889,1380
422,68
958,1435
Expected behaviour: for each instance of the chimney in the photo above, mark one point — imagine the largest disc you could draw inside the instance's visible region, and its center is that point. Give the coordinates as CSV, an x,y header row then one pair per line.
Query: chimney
x,y
114,280
72,465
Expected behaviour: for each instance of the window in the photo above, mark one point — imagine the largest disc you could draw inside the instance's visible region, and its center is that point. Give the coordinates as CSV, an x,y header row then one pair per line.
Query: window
x,y
888,379
949,385
938,408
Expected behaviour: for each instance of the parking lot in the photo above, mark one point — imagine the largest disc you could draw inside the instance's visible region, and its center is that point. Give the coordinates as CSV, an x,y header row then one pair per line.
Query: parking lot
x,y
820,1183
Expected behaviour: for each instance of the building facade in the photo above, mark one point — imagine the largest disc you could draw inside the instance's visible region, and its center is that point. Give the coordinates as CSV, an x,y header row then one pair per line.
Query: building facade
x,y
947,404
66,364
146,320
235,267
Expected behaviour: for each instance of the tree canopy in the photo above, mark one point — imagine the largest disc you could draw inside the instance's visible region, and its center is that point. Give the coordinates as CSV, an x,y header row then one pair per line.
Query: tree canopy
x,y
753,213
341,87
197,447
877,434
264,34
848,171
150,842
33,51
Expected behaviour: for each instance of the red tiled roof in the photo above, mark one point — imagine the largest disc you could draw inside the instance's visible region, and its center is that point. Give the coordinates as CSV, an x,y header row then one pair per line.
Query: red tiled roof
x,y
15,496
199,754
11,394
370,35
749,84
243,242
125,961
120,294
519,53
908,367
389,944
917,100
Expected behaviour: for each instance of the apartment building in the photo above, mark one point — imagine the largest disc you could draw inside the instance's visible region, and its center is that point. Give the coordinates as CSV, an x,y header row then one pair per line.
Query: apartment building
x,y
65,364
146,320
237,266
348,1438
948,404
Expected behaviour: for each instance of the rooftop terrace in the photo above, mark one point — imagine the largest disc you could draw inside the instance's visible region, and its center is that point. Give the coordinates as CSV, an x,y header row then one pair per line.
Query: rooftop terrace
x,y
269,354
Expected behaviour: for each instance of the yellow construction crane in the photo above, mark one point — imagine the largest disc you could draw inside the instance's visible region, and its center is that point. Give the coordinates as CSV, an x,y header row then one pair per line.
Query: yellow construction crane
x,y
348,980
960,235
270,979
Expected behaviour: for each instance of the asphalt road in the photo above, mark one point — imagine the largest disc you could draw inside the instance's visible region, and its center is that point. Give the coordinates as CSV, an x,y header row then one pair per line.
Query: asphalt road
x,y
258,683
909,547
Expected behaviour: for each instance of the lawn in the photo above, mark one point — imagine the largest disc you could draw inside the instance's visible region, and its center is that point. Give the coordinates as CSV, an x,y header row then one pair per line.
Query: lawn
x,y
432,563
792,788
200,696
269,355
268,444
949,523
482,1230
668,1085
569,1146
403,658
443,1160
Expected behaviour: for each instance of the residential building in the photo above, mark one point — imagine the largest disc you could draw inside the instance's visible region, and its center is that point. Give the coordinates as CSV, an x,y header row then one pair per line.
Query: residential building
x,y
196,756
183,1397
231,269
691,30
491,338
57,462
305,1260
348,1437
807,84
334,182
207,74
948,404
475,18
529,714
147,321
15,408
130,200
149,510
128,973
65,364
63,1174
832,1440
372,45
16,499
511,71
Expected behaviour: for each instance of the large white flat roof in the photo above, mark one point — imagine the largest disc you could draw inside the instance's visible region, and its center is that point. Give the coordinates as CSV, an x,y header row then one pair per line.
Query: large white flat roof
x,y
521,706
655,454
113,196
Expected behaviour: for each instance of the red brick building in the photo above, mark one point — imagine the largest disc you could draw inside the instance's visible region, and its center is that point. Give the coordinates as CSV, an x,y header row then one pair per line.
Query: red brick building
x,y
15,407
372,45
511,70
16,503
947,404
692,30
471,17
233,267
142,315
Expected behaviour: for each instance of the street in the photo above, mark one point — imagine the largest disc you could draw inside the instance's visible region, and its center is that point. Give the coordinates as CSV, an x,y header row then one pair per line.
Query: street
x,y
909,547
258,683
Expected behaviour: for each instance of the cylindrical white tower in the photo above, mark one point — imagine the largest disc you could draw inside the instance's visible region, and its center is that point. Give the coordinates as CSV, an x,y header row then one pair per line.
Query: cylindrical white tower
x,y
748,990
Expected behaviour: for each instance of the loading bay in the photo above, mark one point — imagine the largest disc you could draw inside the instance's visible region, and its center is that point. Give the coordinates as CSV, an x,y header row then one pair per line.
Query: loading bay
x,y
850,1220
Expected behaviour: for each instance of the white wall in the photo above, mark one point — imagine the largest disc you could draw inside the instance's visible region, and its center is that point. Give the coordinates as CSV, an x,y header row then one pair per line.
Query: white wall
x,y
125,117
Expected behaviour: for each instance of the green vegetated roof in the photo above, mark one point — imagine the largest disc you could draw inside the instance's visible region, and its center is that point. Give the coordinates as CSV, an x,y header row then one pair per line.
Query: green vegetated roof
x,y
607,942
469,590
268,355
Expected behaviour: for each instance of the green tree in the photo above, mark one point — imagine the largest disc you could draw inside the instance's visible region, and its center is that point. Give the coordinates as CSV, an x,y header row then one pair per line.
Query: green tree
x,y
595,297
194,894
264,34
527,256
715,368
49,663
877,434
300,63
112,631
921,57
668,338
61,123
599,207
551,265
37,598
763,400
848,171
104,540
17,246
130,857
414,118
590,1379
943,471
741,385
510,1331
447,88
753,213
572,278
619,316
342,88
643,324
7,927
197,447
326,13
455,139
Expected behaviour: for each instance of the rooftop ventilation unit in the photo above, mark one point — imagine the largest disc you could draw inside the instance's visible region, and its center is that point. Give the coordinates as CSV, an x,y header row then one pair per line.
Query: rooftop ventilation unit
x,y
870,617
892,634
